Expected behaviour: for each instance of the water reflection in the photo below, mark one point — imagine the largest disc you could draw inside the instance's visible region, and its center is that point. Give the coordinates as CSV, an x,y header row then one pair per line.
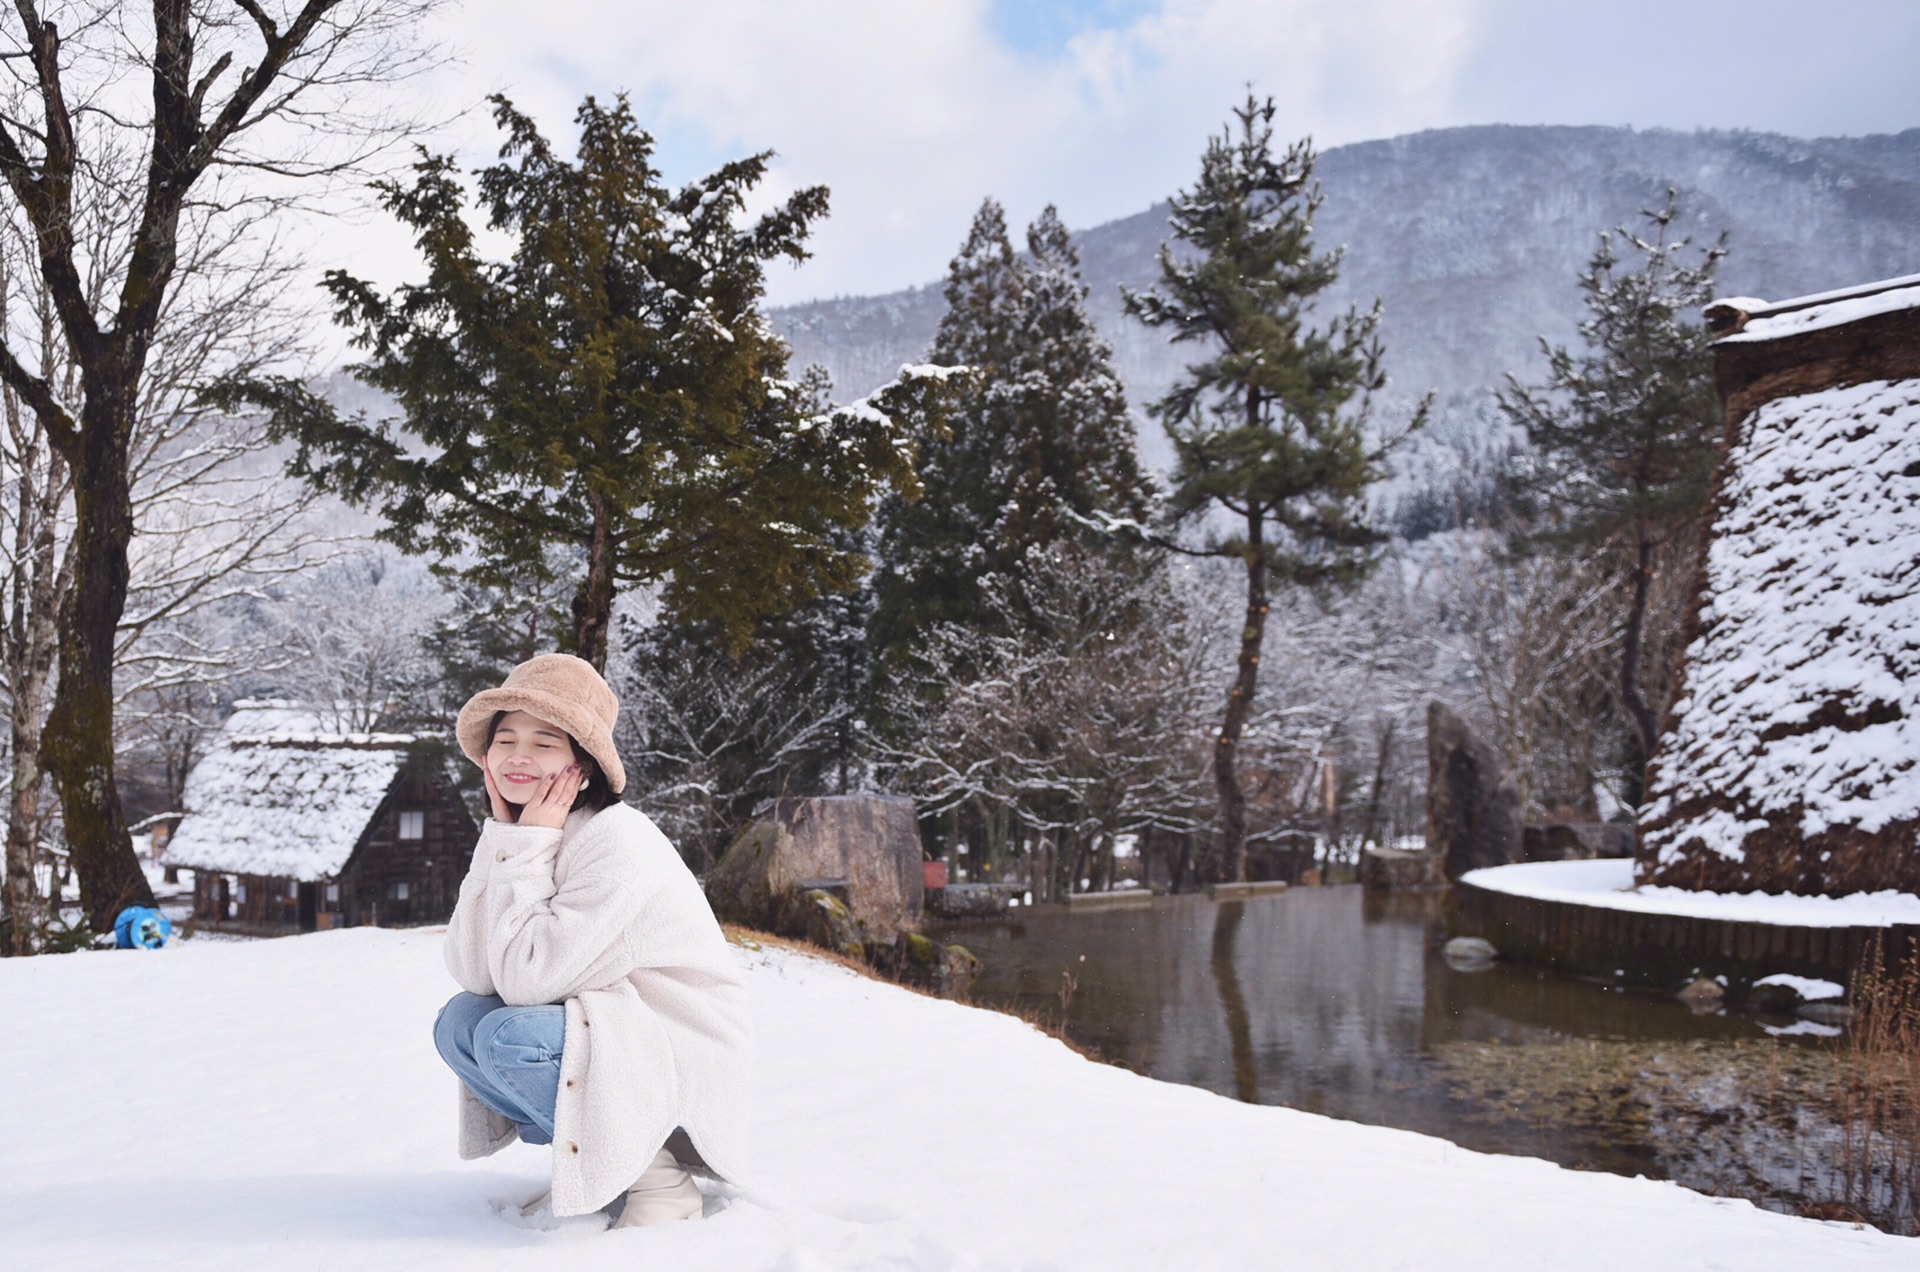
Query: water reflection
x,y
1226,925
1323,1000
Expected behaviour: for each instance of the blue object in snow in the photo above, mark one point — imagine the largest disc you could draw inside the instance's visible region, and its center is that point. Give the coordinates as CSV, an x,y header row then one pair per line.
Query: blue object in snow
x,y
141,927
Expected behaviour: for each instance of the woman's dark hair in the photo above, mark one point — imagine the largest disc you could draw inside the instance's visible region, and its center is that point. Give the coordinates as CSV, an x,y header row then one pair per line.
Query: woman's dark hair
x,y
595,793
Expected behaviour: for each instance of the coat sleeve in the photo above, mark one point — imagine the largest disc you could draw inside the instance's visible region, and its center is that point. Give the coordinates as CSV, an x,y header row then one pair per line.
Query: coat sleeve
x,y
546,943
466,944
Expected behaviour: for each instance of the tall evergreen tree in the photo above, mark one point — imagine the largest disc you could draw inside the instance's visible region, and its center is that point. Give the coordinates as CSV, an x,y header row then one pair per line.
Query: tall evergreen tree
x,y
1625,435
1069,448
612,387
1262,428
1038,441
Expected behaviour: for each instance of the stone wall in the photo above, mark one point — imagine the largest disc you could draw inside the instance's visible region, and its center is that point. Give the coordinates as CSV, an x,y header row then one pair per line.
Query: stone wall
x,y
1667,951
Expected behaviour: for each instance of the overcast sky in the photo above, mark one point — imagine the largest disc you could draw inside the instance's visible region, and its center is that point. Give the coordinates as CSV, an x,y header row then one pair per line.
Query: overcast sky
x,y
912,111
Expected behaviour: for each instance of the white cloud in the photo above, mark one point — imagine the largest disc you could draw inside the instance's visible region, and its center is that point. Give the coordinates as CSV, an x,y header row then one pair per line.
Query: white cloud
x,y
914,111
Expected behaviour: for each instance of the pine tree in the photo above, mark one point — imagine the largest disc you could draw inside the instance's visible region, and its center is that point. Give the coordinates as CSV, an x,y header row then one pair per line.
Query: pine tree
x,y
1039,441
1625,436
611,388
1262,428
1069,444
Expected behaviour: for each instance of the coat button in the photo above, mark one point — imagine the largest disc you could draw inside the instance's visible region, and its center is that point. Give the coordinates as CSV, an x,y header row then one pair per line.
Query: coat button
x,y
574,1149
569,1084
499,856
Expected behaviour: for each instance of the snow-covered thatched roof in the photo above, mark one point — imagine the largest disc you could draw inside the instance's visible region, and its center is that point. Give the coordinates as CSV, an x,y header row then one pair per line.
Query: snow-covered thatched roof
x,y
1750,321
278,798
1793,758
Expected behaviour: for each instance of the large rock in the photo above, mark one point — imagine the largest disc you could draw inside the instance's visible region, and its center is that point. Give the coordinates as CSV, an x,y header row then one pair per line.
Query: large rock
x,y
1473,810
863,849
1576,841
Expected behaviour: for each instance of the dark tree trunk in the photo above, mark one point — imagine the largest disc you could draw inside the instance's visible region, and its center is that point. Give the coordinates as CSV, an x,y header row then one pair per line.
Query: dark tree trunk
x,y
1632,691
111,357
1226,775
1083,865
1368,835
1177,870
1233,1001
78,742
593,603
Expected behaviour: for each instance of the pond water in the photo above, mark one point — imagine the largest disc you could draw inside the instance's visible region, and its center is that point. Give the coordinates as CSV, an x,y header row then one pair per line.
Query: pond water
x,y
1328,1000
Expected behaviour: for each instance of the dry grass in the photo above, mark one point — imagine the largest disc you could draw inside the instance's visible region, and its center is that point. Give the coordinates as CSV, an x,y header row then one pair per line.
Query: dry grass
x,y
1879,1096
1828,1129
754,938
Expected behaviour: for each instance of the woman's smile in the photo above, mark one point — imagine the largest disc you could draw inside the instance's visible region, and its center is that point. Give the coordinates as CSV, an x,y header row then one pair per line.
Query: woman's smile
x,y
525,751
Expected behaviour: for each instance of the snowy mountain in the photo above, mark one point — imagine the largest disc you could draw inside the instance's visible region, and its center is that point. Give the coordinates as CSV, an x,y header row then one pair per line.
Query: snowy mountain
x,y
1473,237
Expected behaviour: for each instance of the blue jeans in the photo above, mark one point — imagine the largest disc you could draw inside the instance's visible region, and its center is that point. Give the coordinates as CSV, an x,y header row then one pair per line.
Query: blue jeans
x,y
508,1056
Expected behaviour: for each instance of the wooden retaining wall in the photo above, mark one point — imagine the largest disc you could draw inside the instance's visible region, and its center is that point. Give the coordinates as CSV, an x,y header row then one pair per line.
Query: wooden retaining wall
x,y
1666,950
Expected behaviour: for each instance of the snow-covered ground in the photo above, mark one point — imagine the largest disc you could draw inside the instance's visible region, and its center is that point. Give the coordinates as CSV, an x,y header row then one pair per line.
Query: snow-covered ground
x,y
278,1105
1609,883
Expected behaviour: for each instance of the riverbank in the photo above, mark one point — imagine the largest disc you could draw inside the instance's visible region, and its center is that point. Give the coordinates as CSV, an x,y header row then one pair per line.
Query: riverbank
x,y
278,1104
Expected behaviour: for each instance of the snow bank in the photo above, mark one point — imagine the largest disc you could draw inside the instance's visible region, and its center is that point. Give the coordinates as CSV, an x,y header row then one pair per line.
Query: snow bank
x,y
279,1105
1609,883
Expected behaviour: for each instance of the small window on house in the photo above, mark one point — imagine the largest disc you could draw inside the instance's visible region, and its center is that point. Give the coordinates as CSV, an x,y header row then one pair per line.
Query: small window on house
x,y
333,894
239,892
293,890
413,825
397,891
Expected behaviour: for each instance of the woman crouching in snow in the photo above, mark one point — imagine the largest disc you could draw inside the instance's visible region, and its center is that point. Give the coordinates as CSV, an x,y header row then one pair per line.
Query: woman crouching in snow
x,y
602,1011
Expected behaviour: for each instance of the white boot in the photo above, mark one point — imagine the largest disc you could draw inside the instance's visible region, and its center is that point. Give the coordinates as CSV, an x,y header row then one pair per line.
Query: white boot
x,y
664,1192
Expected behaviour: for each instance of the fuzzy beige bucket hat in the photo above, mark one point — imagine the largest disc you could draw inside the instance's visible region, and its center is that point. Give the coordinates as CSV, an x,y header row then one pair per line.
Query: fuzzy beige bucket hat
x,y
560,689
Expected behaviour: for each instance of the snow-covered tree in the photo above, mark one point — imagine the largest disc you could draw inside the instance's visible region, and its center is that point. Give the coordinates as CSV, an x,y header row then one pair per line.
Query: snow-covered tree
x,y
358,633
1534,635
1271,428
708,734
1049,740
1625,434
1039,441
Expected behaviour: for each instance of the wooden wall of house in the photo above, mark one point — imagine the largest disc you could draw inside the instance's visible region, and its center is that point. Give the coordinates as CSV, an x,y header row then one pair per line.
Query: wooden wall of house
x,y
398,882
390,881
246,901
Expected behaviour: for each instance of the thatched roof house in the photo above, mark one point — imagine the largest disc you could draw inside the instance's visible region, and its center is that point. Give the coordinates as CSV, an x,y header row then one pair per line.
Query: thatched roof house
x,y
289,826
1791,757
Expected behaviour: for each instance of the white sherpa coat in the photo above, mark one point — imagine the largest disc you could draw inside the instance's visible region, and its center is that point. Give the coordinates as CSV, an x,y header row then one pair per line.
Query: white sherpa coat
x,y
604,917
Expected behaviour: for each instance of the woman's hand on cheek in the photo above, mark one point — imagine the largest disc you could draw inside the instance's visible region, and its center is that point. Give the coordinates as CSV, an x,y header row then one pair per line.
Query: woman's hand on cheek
x,y
502,811
550,807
